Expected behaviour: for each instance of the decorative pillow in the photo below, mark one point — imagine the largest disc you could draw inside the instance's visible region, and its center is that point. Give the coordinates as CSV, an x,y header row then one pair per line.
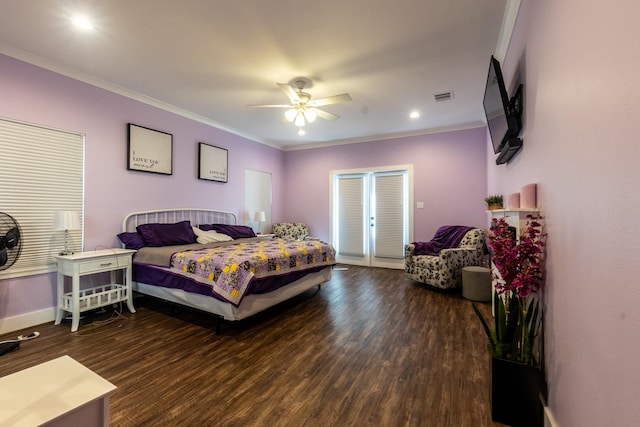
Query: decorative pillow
x,y
291,230
235,231
167,234
210,236
131,240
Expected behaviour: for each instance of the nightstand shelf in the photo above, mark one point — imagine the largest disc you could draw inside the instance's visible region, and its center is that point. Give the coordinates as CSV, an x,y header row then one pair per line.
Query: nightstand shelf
x,y
97,297
87,263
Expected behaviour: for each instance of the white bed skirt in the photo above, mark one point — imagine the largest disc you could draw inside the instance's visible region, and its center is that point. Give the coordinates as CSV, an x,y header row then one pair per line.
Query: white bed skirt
x,y
250,305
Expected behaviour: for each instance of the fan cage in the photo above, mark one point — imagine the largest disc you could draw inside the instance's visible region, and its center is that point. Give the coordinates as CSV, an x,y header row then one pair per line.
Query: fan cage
x,y
10,241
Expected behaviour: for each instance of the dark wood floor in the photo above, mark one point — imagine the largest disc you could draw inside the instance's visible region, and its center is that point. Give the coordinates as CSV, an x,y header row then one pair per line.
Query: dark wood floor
x,y
370,349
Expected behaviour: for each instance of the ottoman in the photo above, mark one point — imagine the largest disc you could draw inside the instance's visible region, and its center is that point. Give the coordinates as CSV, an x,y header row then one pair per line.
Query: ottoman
x,y
476,283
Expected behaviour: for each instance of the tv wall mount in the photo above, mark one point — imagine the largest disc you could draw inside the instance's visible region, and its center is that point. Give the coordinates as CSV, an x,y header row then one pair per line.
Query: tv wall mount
x,y
513,145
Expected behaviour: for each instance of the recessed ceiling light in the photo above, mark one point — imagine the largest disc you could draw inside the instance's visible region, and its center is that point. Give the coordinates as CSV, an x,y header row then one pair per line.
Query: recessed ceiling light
x,y
414,114
82,22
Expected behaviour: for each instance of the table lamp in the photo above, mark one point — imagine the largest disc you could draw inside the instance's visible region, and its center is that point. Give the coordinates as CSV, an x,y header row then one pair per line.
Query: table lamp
x,y
66,220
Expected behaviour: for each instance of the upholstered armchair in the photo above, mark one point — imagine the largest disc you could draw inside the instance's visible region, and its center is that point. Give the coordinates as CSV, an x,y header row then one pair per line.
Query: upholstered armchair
x,y
291,231
444,270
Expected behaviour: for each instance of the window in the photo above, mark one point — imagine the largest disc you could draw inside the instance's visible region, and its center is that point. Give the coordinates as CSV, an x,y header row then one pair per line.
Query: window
x,y
42,172
257,197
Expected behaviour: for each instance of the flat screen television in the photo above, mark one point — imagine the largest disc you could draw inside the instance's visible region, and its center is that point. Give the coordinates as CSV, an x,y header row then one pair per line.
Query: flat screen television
x,y
503,114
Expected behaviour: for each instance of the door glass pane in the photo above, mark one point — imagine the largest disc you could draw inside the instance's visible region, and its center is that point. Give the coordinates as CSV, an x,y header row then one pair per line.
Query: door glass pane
x,y
389,216
351,210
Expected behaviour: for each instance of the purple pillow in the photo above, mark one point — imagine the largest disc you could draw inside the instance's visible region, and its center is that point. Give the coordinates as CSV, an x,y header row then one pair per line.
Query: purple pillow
x,y
234,231
156,234
131,240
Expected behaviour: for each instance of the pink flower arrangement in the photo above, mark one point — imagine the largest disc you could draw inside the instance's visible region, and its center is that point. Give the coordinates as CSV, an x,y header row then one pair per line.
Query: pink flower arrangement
x,y
517,277
518,264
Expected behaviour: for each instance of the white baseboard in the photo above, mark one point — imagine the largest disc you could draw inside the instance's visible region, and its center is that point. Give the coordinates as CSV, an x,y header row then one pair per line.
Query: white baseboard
x,y
22,321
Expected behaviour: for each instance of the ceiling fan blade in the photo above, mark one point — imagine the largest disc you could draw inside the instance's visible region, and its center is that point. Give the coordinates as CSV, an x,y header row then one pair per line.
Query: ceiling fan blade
x,y
324,114
336,99
270,105
288,90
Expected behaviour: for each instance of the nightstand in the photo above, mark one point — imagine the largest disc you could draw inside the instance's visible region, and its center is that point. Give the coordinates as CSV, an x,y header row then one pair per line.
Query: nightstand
x,y
87,263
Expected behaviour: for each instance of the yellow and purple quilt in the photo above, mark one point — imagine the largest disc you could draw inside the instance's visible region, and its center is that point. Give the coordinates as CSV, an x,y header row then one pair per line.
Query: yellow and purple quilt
x,y
230,269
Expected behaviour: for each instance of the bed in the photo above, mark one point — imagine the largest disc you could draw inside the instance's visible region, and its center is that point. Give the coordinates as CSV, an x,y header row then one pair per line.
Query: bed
x,y
232,279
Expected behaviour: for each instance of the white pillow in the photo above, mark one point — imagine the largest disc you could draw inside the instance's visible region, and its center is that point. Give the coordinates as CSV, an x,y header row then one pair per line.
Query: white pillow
x,y
210,236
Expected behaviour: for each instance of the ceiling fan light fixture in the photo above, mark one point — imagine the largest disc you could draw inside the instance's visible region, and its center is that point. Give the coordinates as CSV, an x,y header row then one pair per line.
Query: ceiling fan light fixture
x,y
304,97
301,131
290,115
302,109
309,115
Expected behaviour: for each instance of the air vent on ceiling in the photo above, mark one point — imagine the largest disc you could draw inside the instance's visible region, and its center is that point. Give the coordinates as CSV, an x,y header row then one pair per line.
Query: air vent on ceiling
x,y
444,96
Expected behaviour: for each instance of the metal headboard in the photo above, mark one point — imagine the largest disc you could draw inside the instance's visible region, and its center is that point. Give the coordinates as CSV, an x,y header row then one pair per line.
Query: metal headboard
x,y
197,216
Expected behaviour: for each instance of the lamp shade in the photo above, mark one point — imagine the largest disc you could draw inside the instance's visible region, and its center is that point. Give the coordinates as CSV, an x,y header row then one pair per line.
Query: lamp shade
x,y
310,115
66,220
260,216
299,121
290,115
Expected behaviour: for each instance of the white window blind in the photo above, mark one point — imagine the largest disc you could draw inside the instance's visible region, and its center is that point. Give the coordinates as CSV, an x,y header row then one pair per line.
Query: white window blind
x,y
390,214
257,195
351,214
42,172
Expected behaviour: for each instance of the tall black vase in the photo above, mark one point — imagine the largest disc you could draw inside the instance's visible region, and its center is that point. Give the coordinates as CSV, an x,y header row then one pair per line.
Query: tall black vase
x,y
515,393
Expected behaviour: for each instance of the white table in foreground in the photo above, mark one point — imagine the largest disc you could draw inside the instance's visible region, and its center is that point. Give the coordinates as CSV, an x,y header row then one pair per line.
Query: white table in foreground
x,y
92,262
61,392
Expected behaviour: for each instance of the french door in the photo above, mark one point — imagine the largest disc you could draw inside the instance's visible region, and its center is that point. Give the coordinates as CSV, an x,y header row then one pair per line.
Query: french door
x,y
371,215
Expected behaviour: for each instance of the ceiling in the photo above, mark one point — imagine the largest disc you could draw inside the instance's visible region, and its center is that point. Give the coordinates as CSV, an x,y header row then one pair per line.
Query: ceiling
x,y
209,59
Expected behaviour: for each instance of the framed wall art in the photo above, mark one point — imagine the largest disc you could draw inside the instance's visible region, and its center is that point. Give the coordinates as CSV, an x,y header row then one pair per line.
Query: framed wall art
x,y
150,150
212,163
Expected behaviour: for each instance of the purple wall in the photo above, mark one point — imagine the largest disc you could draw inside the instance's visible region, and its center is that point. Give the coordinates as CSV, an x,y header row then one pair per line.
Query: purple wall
x,y
449,168
449,173
32,94
579,63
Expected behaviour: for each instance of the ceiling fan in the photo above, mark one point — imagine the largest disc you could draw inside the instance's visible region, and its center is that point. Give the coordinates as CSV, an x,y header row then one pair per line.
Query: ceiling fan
x,y
303,109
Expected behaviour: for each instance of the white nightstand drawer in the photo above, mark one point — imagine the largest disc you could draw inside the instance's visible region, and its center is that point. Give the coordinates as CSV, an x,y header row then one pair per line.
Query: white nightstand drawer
x,y
105,264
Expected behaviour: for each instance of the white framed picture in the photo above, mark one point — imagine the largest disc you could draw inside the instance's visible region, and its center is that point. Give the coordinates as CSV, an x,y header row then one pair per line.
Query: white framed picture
x,y
150,150
212,163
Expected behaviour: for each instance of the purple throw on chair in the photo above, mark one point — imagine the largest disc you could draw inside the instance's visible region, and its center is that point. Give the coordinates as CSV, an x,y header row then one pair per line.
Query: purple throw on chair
x,y
447,236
